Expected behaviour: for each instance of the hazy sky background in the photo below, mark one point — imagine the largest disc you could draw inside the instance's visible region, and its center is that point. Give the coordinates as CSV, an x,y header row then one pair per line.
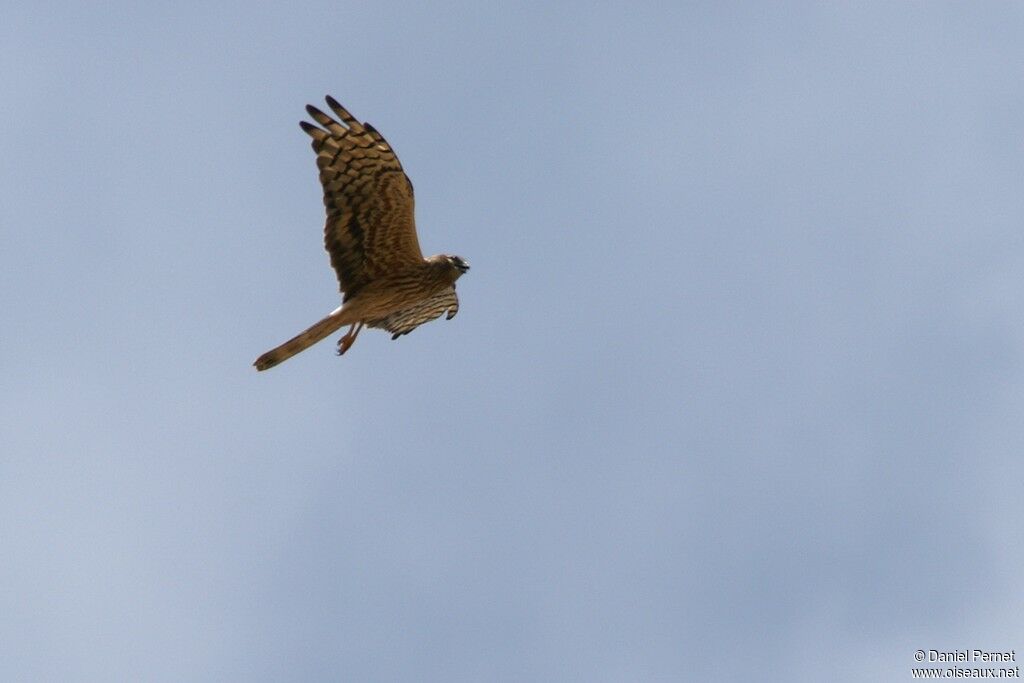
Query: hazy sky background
x,y
735,392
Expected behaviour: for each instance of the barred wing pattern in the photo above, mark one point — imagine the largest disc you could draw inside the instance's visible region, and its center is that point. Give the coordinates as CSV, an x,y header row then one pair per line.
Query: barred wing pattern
x,y
370,227
407,320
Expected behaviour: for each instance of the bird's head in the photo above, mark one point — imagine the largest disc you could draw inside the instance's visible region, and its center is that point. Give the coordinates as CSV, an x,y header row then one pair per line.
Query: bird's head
x,y
458,265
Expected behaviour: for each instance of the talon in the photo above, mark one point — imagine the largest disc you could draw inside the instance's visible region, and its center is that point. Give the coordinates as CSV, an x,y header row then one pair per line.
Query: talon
x,y
345,342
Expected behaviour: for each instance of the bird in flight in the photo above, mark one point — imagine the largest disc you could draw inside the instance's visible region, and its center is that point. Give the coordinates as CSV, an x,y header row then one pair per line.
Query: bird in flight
x,y
371,238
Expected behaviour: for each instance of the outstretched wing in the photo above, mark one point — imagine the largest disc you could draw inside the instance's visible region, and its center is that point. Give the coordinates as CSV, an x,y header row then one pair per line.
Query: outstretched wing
x,y
408,319
370,227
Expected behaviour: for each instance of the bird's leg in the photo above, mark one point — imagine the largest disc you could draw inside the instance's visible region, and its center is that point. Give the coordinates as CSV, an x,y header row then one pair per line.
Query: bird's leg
x,y
349,338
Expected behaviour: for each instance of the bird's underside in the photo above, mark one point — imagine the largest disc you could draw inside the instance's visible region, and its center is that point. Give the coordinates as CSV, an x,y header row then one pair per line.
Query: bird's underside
x,y
370,235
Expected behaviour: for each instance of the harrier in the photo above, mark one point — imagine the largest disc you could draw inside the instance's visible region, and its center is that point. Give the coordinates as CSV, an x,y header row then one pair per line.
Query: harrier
x,y
371,238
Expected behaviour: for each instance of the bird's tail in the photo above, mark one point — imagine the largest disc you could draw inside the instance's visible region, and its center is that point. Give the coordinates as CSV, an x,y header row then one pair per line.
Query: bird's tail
x,y
302,341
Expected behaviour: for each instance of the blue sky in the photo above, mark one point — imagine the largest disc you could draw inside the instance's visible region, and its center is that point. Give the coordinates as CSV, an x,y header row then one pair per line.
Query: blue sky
x,y
735,390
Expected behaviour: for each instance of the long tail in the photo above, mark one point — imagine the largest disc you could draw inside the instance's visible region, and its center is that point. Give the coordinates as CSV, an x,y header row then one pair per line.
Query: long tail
x,y
302,341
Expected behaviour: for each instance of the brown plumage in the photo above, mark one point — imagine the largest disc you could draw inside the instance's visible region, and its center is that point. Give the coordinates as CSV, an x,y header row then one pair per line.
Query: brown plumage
x,y
371,237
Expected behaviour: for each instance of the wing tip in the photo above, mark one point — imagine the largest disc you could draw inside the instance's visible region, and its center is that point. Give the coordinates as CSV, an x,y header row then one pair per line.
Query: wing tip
x,y
318,134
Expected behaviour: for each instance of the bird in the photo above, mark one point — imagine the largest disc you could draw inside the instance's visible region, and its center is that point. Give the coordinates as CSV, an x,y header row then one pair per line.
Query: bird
x,y
370,235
